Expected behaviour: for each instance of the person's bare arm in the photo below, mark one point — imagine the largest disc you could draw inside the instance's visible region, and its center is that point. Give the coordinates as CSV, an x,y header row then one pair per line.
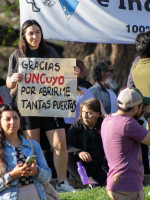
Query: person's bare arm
x,y
13,91
146,140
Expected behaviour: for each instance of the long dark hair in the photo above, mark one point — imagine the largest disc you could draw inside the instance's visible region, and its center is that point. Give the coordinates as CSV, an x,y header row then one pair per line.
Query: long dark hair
x,y
92,104
142,44
7,107
98,69
23,45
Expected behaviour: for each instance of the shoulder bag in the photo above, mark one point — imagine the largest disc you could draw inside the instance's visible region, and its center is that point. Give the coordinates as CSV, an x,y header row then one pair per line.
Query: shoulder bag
x,y
50,191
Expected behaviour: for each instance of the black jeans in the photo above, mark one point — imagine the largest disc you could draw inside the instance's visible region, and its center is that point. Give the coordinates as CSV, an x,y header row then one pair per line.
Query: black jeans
x,y
96,169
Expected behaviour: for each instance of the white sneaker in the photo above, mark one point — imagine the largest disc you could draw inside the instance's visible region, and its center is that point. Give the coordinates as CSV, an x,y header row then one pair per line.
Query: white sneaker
x,y
65,187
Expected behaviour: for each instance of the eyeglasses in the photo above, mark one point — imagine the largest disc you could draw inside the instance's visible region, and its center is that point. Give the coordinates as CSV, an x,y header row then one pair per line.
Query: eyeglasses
x,y
110,70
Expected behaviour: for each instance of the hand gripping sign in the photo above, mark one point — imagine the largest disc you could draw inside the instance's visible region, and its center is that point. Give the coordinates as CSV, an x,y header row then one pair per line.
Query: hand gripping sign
x,y
48,88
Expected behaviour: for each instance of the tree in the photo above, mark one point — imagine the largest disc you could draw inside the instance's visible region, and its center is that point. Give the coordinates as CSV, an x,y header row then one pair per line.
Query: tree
x,y
9,22
91,53
121,56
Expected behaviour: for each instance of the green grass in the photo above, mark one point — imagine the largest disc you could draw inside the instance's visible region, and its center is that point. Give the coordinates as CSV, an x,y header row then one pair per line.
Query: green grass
x,y
93,194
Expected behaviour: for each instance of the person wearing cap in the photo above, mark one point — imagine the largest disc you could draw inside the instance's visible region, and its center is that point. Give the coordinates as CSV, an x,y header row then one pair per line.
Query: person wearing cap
x,y
104,86
121,136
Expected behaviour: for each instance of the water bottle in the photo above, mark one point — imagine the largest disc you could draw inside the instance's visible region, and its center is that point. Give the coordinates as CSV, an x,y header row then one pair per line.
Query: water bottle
x,y
82,172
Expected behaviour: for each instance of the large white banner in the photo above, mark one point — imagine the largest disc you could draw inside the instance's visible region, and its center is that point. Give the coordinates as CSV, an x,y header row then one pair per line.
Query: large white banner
x,y
99,21
48,87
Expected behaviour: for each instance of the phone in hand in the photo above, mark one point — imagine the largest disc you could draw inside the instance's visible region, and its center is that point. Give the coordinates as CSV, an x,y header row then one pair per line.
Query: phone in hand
x,y
31,159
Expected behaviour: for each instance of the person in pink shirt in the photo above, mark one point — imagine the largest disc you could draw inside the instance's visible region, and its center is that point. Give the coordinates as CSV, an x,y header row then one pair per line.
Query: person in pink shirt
x,y
121,136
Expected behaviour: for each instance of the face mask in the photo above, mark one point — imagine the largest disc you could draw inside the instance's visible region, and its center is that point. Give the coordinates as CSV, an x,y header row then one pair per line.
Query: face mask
x,y
111,83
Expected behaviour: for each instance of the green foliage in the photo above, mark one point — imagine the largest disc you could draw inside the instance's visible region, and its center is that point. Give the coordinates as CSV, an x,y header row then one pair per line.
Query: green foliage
x,y
3,74
10,6
146,190
93,194
16,42
11,37
86,194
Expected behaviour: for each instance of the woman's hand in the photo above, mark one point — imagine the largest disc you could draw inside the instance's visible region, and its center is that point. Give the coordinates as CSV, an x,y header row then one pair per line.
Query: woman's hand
x,y
31,170
17,172
16,77
76,71
85,156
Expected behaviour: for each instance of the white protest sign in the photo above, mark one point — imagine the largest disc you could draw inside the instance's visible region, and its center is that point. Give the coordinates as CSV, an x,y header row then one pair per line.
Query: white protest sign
x,y
100,21
49,87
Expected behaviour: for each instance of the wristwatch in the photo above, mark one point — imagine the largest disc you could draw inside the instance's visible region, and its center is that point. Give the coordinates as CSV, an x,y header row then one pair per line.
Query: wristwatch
x,y
147,115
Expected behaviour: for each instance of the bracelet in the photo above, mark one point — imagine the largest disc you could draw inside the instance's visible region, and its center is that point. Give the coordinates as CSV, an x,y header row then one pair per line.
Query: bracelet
x,y
147,115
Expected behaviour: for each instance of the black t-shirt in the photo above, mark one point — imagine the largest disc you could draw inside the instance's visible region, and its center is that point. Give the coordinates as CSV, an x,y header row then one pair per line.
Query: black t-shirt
x,y
79,132
84,83
24,180
14,61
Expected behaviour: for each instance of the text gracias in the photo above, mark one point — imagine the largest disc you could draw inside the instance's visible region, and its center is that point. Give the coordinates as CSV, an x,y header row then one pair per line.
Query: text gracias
x,y
42,78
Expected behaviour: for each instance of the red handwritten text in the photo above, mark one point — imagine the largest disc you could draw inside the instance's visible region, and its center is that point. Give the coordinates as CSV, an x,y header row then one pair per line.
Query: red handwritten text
x,y
42,78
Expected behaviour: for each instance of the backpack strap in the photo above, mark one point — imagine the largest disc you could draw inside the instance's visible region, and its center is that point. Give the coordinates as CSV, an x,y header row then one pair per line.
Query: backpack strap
x,y
31,144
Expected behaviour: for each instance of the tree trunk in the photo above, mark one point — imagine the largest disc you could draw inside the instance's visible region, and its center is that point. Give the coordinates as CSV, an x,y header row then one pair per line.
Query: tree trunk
x,y
121,56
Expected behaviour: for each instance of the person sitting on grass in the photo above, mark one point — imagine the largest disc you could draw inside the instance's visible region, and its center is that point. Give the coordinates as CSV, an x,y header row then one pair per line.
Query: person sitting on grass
x,y
85,144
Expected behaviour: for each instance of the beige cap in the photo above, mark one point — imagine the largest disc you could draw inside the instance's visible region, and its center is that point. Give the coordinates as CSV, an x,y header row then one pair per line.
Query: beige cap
x,y
129,98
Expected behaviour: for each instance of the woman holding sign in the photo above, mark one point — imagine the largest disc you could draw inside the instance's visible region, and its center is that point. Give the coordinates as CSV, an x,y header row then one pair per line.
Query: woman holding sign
x,y
32,44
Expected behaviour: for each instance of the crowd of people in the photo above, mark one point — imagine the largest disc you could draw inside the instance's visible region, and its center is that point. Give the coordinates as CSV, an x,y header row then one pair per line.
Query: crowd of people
x,y
106,135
